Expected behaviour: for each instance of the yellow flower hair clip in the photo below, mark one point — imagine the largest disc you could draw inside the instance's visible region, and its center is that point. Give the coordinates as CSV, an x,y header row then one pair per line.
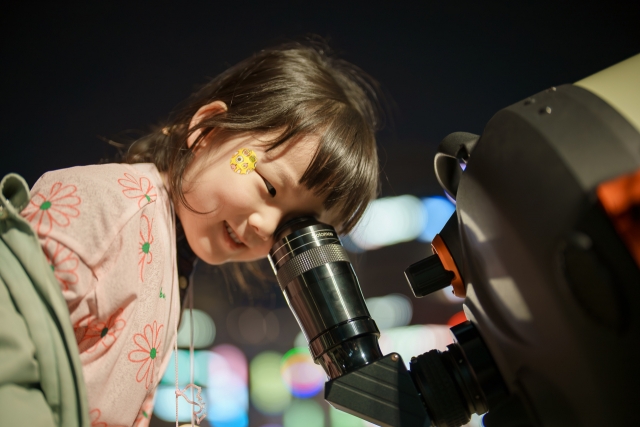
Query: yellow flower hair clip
x,y
244,161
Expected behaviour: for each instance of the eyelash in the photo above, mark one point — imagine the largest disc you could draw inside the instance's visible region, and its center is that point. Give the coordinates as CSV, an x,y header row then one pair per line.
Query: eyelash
x,y
270,188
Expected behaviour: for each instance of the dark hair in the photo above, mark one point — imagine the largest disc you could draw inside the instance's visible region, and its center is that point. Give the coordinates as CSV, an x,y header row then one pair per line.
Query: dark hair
x,y
296,89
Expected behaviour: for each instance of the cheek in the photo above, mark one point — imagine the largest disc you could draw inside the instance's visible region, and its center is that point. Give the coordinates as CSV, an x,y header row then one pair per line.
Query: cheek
x,y
256,253
210,190
240,191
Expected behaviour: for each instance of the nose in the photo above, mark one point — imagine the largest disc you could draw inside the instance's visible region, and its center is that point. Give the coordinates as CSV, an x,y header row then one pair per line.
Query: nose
x,y
265,222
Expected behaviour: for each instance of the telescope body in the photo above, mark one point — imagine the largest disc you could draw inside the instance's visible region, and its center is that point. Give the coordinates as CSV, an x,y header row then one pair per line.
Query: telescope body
x,y
550,285
544,246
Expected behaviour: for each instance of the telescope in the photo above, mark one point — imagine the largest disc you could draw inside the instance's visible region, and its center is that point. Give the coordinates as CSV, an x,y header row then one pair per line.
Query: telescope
x,y
544,247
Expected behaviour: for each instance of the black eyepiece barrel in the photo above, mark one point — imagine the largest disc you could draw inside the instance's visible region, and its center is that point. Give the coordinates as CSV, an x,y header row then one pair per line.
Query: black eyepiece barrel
x,y
321,288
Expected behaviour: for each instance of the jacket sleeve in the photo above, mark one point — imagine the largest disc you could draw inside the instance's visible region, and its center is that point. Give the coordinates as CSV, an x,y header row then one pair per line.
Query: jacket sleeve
x,y
21,400
41,379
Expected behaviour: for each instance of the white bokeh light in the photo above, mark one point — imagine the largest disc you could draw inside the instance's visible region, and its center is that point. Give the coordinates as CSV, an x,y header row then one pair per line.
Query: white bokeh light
x,y
388,221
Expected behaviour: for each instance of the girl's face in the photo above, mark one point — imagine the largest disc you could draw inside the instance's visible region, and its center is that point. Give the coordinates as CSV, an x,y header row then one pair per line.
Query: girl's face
x,y
241,213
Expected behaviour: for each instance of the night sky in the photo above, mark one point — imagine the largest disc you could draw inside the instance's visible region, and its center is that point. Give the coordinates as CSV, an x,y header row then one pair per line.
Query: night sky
x,y
71,74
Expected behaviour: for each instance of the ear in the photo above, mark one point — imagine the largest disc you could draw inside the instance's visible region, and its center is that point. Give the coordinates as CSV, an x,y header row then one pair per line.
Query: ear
x,y
204,112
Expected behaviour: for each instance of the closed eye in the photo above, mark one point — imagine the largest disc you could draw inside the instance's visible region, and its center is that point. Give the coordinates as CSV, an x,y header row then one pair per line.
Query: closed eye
x,y
270,188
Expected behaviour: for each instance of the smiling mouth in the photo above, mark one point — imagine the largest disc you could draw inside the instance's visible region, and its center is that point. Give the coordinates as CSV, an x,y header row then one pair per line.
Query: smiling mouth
x,y
232,234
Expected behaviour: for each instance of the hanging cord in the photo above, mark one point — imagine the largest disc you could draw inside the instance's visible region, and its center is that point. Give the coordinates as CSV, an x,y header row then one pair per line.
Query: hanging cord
x,y
196,399
175,354
186,262
191,358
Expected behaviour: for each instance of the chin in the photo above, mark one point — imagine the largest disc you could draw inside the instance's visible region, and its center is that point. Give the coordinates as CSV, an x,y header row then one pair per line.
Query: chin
x,y
218,258
211,257
213,260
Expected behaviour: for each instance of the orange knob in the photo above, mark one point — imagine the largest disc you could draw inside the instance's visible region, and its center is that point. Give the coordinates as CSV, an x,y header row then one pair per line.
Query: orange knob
x,y
440,249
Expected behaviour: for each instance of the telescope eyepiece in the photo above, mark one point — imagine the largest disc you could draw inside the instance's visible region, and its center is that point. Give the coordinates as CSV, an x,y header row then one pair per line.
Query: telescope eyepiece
x,y
322,290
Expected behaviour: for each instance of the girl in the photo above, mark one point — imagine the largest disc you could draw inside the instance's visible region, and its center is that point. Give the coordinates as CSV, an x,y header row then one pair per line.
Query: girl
x,y
289,131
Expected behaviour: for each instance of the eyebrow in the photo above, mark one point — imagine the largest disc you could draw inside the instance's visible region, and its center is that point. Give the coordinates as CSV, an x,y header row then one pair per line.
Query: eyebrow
x,y
285,177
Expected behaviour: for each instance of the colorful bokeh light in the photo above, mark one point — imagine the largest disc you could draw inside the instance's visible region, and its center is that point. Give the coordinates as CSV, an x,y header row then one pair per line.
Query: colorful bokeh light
x,y
303,377
223,375
228,393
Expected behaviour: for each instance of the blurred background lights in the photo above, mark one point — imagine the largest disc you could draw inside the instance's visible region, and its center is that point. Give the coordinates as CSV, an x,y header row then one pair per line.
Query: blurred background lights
x,y
388,221
303,377
225,412
414,340
392,220
165,404
235,361
342,419
269,394
436,211
222,374
200,369
204,330
350,245
390,311
252,325
303,413
228,394
272,325
301,341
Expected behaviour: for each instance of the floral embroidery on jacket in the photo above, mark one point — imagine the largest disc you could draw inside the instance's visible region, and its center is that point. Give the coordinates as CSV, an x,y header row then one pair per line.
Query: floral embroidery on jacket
x,y
63,262
94,416
146,352
57,207
97,333
141,189
146,239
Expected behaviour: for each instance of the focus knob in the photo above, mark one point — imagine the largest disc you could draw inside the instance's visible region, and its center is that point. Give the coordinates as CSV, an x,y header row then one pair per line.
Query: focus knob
x,y
427,276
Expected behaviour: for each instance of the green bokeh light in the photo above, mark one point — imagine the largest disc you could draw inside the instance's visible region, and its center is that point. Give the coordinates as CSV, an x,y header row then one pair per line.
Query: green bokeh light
x,y
269,394
342,419
307,413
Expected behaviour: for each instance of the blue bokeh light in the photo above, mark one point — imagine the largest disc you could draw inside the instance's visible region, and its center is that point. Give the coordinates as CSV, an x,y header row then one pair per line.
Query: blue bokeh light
x,y
437,211
200,368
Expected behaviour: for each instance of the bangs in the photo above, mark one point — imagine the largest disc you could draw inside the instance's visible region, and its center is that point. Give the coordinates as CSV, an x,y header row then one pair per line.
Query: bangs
x,y
344,169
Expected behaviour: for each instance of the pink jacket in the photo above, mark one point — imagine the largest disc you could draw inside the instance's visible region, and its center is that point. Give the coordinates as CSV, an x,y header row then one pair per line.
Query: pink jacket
x,y
109,233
